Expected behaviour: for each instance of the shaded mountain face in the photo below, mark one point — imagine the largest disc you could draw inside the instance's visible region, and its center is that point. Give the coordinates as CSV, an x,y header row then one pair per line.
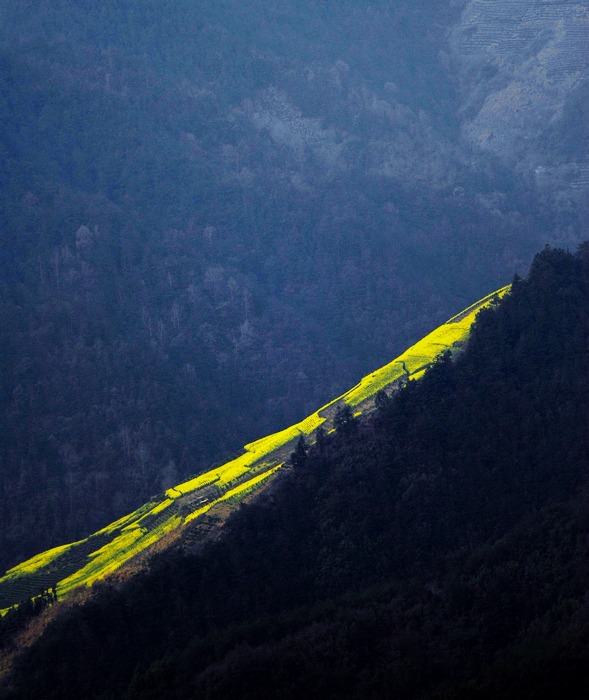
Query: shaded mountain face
x,y
436,549
523,68
217,215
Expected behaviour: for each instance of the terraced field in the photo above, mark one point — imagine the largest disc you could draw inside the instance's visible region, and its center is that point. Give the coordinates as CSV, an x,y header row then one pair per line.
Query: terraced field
x,y
69,567
537,52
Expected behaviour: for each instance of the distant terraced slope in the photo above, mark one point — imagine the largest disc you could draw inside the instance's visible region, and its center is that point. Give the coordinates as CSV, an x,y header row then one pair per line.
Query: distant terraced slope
x,y
520,63
69,567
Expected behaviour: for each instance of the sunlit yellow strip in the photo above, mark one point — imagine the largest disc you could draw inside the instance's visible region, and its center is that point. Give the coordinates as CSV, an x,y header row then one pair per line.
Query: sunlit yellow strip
x,y
423,353
240,490
133,537
126,519
485,301
113,555
220,475
415,359
150,513
32,565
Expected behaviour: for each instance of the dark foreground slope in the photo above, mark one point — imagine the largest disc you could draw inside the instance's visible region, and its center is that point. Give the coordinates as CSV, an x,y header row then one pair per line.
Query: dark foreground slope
x,y
437,550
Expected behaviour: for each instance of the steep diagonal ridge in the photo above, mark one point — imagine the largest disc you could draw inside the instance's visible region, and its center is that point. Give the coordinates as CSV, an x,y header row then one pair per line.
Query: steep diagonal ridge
x,y
69,567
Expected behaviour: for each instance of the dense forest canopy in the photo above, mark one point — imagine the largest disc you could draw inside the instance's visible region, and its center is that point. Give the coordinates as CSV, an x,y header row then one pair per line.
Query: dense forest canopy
x,y
434,549
215,216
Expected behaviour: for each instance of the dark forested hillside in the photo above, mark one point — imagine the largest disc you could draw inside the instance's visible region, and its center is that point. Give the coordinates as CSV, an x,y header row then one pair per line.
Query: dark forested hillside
x,y
434,550
216,215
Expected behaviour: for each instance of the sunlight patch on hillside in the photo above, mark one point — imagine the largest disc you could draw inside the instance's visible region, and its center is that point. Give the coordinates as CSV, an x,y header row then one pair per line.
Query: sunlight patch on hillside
x,y
81,563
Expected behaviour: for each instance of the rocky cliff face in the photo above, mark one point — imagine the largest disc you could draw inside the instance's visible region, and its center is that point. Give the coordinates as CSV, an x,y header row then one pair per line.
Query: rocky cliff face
x,y
523,67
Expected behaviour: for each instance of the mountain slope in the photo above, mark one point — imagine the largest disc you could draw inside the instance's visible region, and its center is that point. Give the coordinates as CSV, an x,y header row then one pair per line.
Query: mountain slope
x,y
65,569
216,215
535,57
434,549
